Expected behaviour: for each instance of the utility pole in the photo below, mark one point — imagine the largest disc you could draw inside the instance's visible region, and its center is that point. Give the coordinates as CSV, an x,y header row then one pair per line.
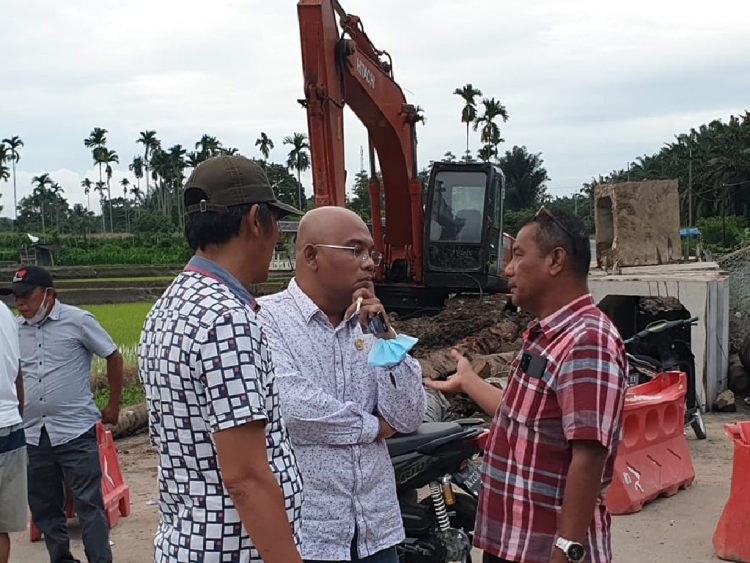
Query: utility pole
x,y
690,185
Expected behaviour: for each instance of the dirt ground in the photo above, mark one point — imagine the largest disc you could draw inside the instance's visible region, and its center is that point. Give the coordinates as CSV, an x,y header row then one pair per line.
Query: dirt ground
x,y
670,530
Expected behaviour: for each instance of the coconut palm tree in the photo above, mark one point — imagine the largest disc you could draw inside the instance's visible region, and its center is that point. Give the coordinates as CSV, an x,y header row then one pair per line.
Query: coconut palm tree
x,y
4,170
193,159
150,144
265,145
486,153
125,183
138,197
209,146
493,109
86,184
96,141
469,112
13,144
299,158
136,167
40,194
55,190
107,156
101,189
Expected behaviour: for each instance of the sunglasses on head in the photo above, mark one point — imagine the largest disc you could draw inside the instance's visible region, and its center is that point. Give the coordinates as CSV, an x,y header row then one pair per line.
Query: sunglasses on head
x,y
543,211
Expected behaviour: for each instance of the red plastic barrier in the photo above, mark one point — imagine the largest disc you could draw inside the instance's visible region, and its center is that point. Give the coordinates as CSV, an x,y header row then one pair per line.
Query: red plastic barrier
x,y
653,459
114,490
731,539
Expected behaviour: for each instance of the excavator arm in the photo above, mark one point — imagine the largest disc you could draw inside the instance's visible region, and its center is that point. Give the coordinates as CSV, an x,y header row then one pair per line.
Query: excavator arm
x,y
342,67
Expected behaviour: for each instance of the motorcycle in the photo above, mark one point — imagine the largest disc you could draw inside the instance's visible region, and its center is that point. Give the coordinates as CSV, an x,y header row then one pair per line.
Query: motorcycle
x,y
439,456
654,350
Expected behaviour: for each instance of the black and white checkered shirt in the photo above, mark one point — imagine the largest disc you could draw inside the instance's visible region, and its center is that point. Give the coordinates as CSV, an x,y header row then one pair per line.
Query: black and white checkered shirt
x,y
205,365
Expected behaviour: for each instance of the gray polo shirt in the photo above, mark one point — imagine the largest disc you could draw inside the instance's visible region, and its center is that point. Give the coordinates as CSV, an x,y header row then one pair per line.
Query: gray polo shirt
x,y
56,363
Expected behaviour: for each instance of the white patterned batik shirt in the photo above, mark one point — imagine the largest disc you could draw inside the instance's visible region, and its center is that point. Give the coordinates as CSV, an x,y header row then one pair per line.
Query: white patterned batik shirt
x,y
331,399
205,365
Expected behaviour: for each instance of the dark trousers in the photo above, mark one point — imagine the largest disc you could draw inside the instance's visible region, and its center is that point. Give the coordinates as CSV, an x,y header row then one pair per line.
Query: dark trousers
x,y
77,465
487,558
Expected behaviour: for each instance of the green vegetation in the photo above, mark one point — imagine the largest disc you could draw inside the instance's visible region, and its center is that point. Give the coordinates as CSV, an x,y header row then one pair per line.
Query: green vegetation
x,y
123,321
132,394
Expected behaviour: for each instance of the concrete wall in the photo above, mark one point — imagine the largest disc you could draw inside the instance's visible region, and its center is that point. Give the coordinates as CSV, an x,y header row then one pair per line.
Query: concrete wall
x,y
637,223
704,291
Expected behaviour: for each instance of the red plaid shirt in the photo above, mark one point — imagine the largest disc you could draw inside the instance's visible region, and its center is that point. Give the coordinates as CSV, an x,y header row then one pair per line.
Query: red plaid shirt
x,y
578,395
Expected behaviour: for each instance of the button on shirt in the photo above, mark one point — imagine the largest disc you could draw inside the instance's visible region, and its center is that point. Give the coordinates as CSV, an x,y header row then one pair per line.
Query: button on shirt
x,y
56,363
330,399
205,365
578,396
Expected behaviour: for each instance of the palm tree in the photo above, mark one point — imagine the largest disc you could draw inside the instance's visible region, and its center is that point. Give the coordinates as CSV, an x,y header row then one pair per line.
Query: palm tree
x,y
265,144
106,156
469,111
194,158
54,192
41,193
490,131
525,178
150,144
101,189
486,153
138,197
96,141
86,185
136,167
299,158
125,183
209,146
4,170
13,143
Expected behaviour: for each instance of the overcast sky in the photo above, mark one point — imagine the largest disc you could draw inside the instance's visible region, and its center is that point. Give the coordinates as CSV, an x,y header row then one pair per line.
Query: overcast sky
x,y
589,84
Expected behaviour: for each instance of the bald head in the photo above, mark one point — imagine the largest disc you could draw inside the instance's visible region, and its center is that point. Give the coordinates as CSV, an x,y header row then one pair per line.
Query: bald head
x,y
329,225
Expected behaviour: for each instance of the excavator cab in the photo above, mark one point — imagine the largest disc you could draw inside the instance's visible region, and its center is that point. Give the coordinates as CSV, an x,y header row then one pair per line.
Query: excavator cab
x,y
463,220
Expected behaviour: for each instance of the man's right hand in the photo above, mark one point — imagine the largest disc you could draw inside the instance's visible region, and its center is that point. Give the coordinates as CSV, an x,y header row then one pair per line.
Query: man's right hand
x,y
456,383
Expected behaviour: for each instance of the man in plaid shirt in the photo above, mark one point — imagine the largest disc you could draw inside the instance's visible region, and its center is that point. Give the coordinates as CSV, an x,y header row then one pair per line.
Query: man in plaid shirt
x,y
556,427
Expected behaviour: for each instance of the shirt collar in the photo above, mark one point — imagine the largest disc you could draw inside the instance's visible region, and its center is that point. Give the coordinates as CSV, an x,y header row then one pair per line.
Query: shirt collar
x,y
307,306
211,269
562,318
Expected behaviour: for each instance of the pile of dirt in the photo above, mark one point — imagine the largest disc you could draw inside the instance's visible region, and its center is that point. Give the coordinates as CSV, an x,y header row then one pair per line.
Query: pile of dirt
x,y
487,330
462,317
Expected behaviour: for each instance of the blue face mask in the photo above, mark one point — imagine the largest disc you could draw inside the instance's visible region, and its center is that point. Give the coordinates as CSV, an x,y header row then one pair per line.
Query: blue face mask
x,y
388,353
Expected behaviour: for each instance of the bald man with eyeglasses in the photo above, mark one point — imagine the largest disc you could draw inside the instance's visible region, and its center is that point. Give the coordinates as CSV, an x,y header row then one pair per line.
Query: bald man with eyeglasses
x,y
338,408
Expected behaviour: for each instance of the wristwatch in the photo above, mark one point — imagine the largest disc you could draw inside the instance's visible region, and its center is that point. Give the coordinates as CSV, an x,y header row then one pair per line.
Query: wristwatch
x,y
574,551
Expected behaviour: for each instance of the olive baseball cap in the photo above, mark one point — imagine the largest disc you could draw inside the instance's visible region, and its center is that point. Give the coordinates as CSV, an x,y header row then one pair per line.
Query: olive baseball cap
x,y
224,181
26,279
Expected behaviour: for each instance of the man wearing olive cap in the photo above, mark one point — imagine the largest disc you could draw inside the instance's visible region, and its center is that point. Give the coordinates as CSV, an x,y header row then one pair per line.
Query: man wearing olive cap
x,y
228,480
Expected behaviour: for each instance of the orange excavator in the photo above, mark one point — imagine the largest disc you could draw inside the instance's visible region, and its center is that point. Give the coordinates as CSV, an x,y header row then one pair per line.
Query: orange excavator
x,y
443,238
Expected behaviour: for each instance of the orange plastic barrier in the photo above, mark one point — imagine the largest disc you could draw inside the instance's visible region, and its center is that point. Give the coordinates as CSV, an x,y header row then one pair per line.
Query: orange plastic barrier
x,y
114,490
731,539
653,459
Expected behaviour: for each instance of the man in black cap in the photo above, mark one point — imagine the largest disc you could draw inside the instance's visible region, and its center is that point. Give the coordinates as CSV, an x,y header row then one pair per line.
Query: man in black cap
x,y
57,342
228,480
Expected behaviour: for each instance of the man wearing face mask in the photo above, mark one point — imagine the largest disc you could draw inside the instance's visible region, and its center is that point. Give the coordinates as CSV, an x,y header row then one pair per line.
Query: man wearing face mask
x,y
57,343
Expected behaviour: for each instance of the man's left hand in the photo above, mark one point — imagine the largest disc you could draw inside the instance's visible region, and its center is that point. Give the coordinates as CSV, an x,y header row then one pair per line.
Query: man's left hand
x,y
110,413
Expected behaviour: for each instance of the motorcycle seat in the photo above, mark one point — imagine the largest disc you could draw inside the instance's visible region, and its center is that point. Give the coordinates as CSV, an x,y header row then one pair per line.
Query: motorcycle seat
x,y
404,443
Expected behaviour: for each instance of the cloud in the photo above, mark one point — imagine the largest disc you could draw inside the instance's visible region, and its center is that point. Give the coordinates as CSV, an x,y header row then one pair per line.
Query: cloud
x,y
589,84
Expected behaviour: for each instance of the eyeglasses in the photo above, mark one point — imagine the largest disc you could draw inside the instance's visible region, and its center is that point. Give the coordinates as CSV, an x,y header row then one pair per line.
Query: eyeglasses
x,y
360,252
547,213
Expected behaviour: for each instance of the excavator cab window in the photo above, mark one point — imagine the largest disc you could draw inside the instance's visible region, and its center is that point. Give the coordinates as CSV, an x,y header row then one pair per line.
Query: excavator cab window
x,y
458,207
